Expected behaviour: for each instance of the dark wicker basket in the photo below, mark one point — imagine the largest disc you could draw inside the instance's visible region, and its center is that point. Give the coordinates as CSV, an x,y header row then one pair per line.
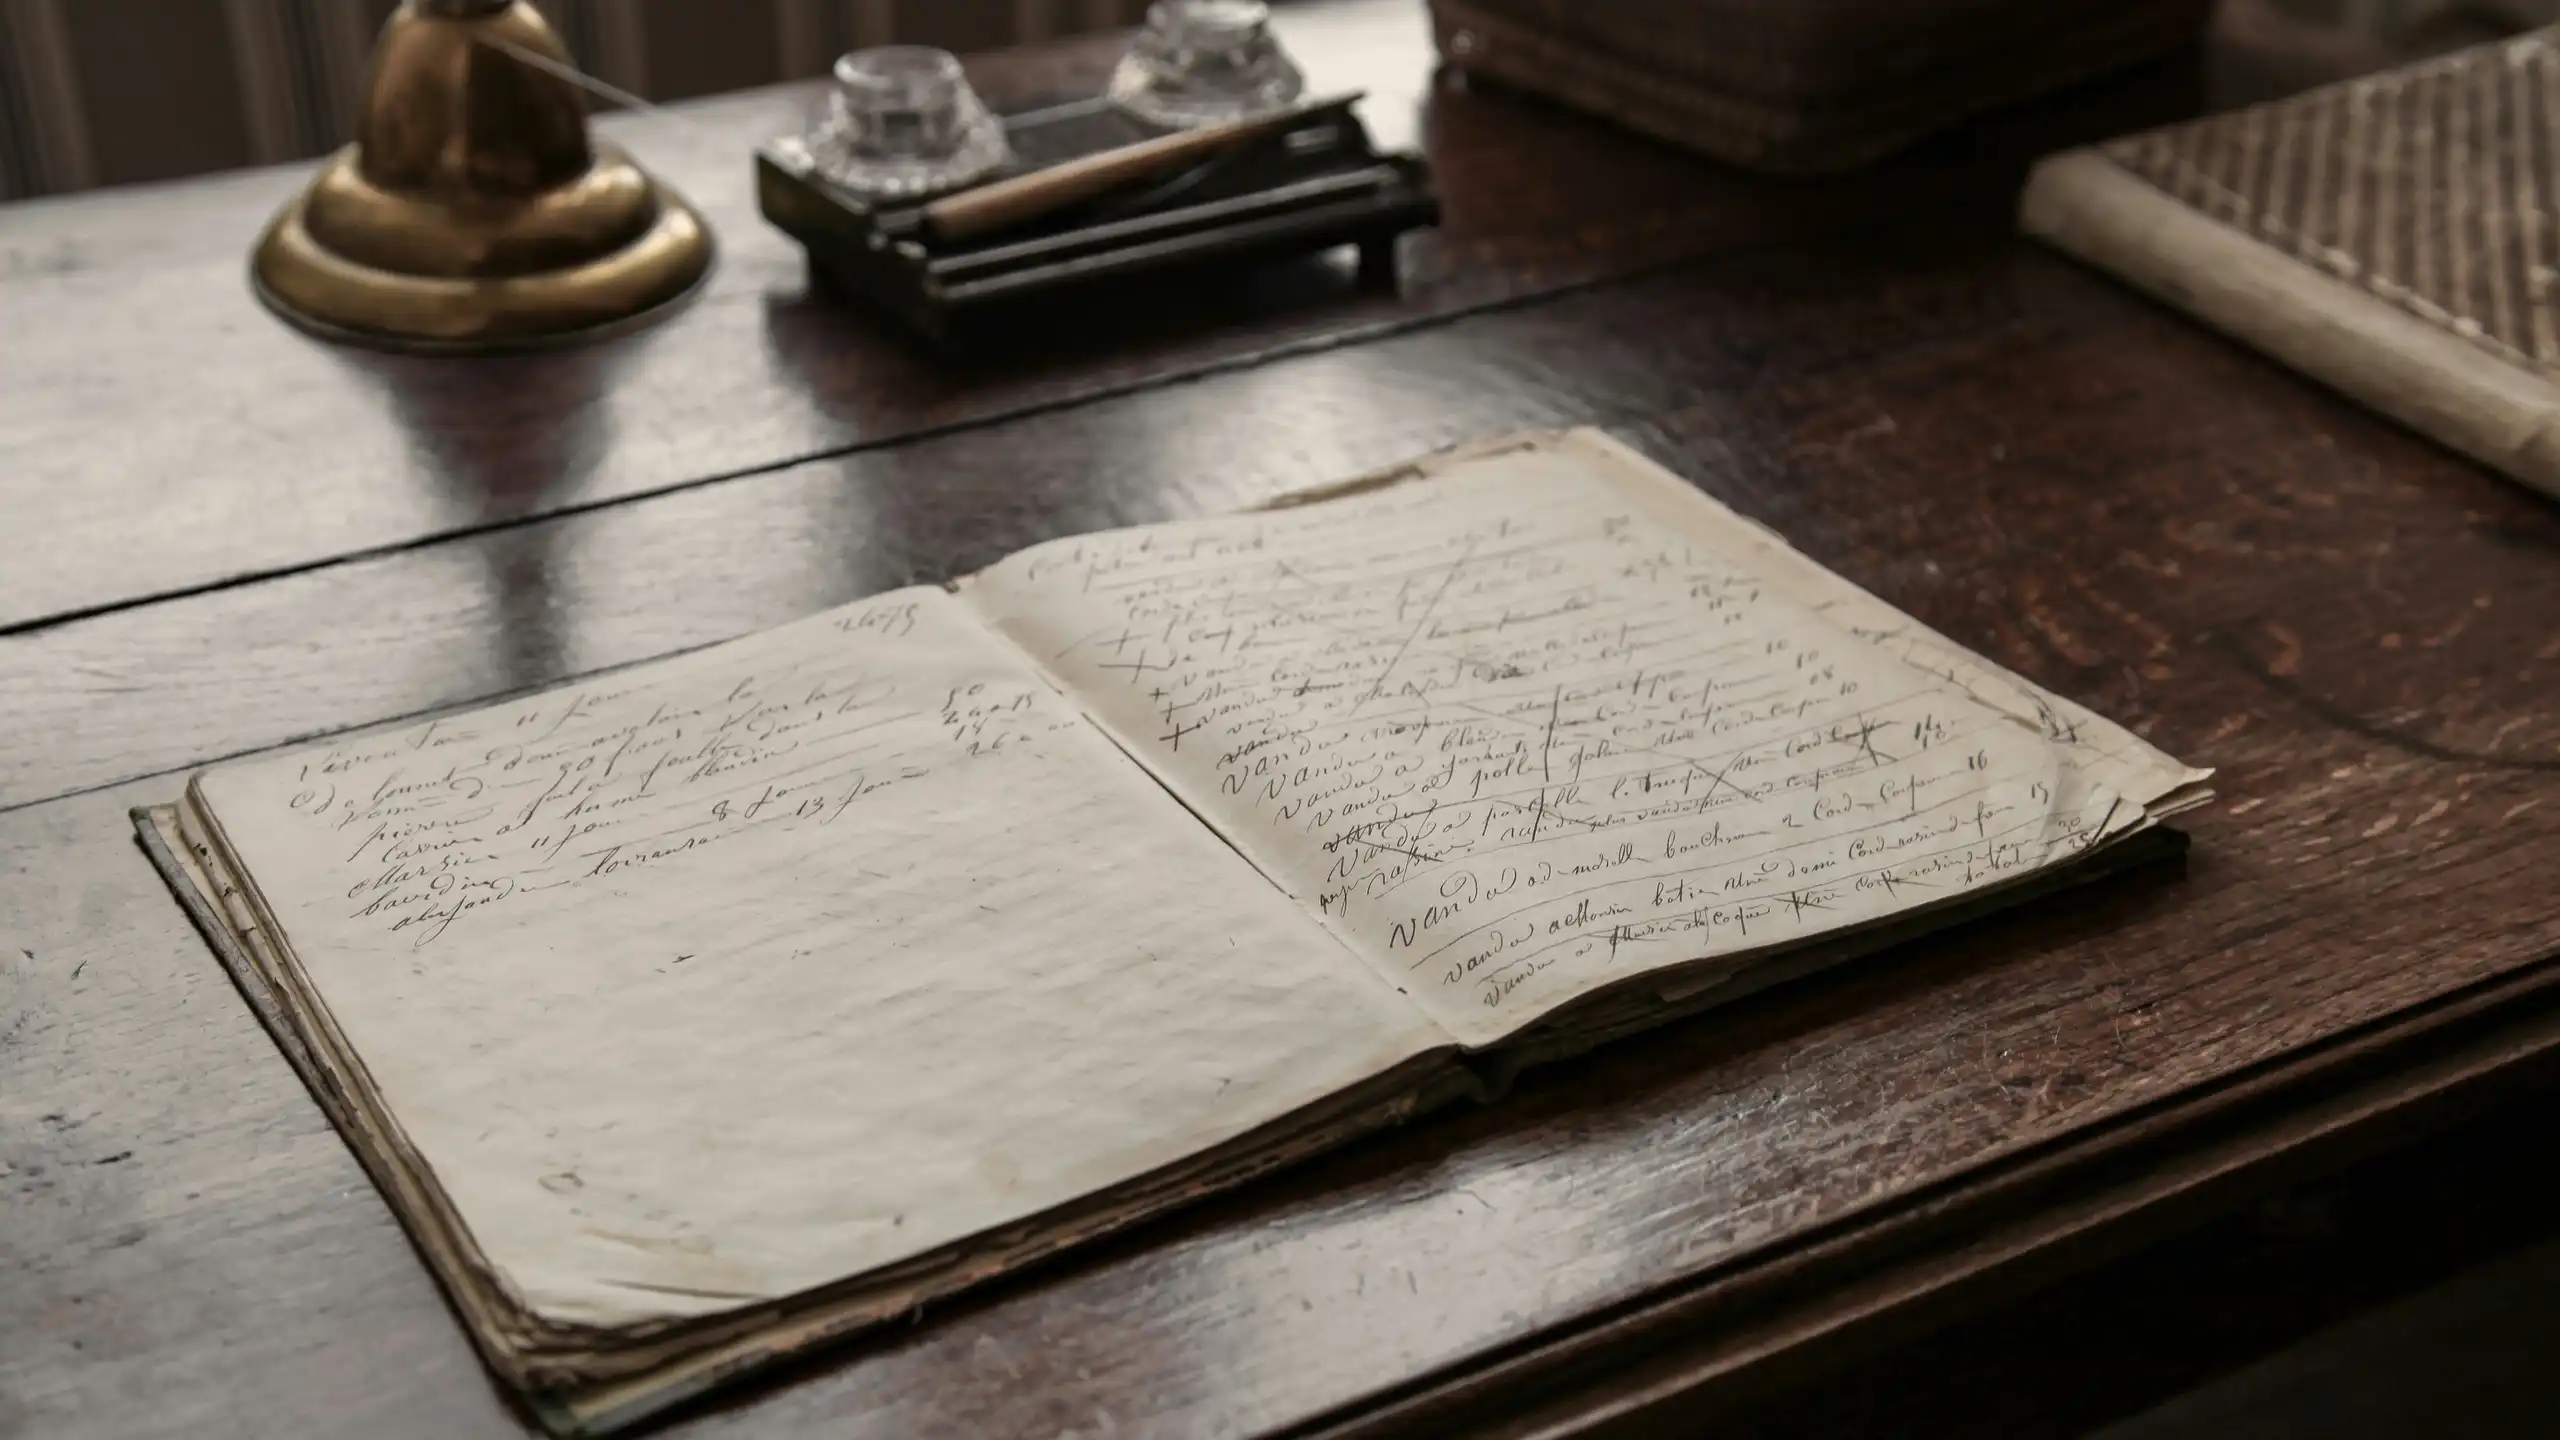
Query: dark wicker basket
x,y
1802,86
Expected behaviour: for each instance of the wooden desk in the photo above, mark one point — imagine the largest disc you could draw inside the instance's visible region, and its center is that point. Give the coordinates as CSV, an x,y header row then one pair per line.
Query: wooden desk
x,y
227,537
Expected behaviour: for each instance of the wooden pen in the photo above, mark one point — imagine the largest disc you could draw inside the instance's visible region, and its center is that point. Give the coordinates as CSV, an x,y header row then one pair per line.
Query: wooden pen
x,y
1007,203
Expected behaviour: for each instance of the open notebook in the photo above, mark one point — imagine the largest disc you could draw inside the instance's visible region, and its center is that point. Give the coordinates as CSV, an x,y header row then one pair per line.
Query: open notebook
x,y
694,1013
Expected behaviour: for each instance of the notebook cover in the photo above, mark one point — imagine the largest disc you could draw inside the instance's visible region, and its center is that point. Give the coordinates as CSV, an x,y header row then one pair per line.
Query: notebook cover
x,y
2395,236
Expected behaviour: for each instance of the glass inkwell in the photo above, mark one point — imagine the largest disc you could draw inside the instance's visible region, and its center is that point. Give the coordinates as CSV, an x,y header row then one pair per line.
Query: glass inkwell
x,y
901,122
1205,62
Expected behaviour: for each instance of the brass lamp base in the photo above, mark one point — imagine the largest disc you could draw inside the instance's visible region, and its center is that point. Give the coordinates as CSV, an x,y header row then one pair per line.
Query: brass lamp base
x,y
472,213
342,298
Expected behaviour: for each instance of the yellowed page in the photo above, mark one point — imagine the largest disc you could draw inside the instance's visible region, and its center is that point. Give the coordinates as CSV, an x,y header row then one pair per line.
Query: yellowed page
x,y
1516,732
731,976
2105,752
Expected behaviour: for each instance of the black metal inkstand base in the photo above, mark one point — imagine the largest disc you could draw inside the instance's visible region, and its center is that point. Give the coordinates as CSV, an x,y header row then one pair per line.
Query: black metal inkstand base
x,y
1315,185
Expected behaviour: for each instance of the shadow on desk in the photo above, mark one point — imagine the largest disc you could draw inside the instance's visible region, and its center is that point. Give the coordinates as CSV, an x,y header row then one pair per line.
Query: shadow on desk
x,y
2415,1294
2468,1357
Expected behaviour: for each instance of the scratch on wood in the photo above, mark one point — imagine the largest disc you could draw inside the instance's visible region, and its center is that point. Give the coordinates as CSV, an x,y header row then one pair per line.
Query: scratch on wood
x,y
2068,645
2356,725
2288,659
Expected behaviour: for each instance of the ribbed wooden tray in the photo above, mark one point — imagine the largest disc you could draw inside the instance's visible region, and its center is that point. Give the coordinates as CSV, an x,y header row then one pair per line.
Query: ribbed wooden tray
x,y
1801,86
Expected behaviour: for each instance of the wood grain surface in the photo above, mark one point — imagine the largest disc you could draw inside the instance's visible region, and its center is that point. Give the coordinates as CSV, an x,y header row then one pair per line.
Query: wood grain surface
x,y
191,439
1973,428
2354,626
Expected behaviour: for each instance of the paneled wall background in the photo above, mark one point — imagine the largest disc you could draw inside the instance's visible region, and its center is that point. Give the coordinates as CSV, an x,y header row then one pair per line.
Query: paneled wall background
x,y
103,92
